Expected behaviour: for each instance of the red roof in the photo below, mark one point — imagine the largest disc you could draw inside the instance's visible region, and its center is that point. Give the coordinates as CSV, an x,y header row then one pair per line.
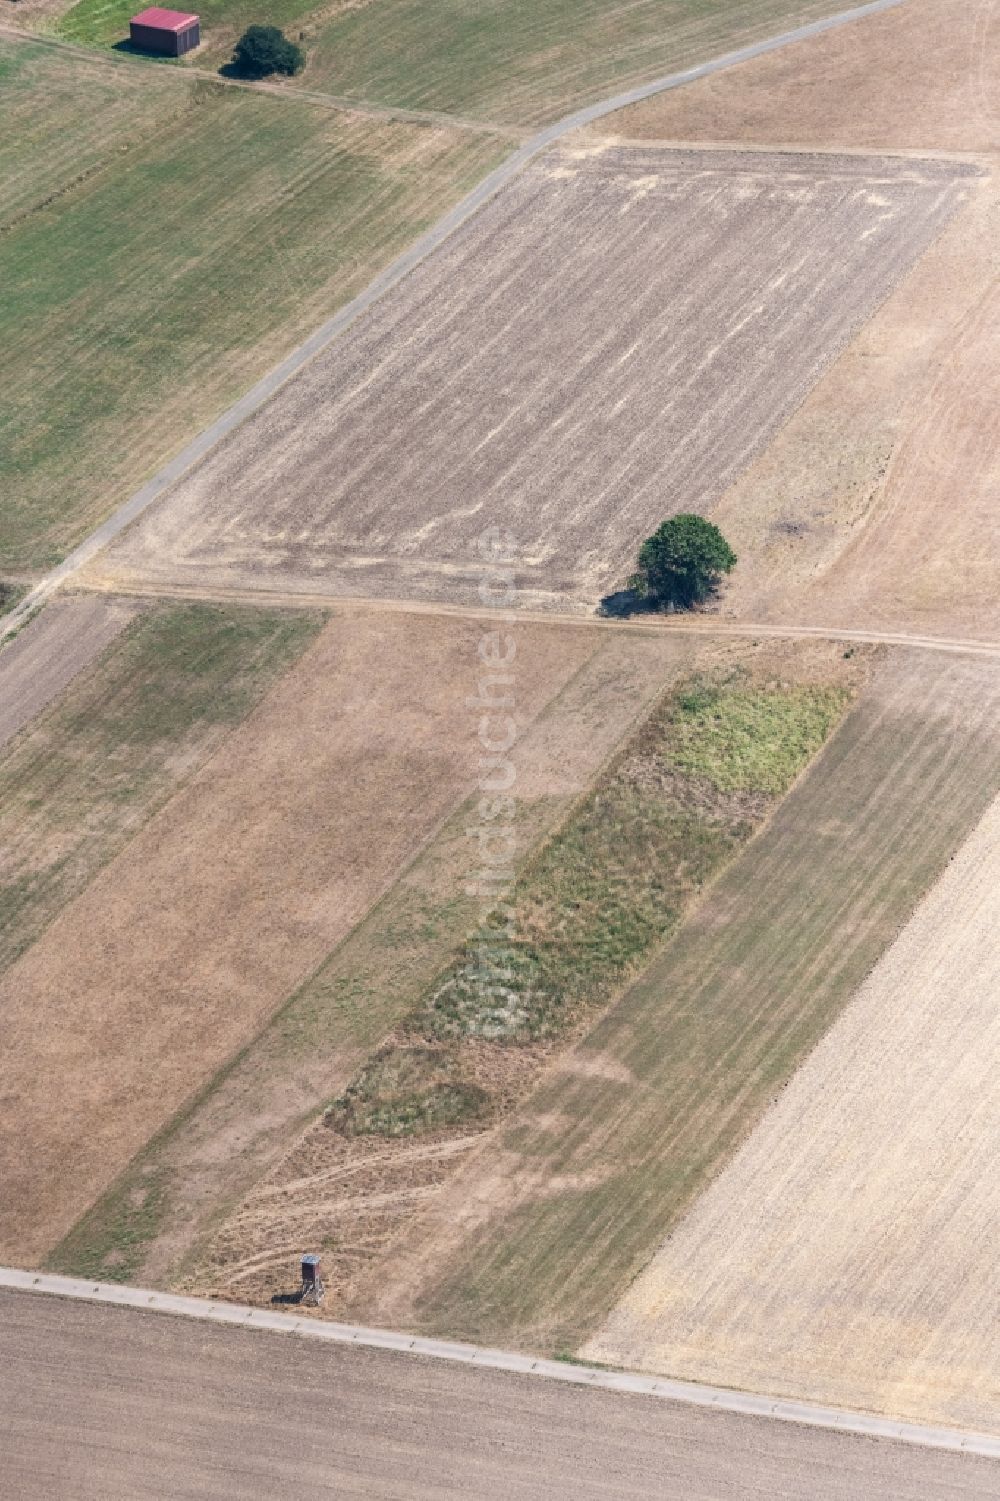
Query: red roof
x,y
165,20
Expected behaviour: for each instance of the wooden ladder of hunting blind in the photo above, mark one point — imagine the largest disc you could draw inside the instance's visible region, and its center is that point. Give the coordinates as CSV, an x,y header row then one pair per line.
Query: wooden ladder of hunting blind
x,y
312,1281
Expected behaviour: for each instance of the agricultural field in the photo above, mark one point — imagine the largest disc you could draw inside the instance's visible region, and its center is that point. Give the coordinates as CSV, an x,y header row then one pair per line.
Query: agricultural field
x,y
226,901
520,61
549,1219
943,57
172,1196
847,1252
84,777
849,518
589,909
721,285
702,1084
166,241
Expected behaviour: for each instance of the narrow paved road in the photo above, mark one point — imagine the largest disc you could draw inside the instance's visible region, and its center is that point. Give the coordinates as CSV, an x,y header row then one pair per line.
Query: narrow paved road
x,y
111,1404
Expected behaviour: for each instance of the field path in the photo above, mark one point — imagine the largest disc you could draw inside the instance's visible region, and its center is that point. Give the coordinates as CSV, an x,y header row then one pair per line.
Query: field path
x,y
393,274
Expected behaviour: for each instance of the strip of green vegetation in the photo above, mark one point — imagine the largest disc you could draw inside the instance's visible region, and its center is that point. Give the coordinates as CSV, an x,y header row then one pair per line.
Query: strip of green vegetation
x,y
603,893
667,1085
78,783
163,271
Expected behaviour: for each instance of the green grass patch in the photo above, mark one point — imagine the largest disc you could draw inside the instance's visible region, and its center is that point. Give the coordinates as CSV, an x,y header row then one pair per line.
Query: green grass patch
x,y
86,775
742,740
109,1246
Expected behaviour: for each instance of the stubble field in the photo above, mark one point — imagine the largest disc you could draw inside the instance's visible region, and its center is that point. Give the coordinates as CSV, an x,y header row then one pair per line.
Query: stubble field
x,y
847,1255
613,338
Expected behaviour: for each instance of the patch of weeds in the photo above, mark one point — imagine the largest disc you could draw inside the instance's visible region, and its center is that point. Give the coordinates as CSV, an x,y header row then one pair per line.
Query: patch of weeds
x,y
109,1242
605,891
743,737
405,1090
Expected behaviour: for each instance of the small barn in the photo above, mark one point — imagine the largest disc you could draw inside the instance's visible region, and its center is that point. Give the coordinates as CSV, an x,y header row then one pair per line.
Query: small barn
x,y
169,32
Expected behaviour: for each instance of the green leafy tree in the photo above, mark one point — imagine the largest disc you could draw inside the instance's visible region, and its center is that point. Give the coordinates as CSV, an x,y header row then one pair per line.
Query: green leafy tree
x,y
682,563
263,50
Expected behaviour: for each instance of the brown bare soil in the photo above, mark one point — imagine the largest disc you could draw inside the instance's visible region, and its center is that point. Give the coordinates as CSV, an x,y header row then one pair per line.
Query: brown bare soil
x,y
723,284
139,1406
232,895
847,1255
924,76
47,654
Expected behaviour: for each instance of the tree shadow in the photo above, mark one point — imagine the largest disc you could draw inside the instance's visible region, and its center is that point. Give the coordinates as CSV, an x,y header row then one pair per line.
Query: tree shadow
x,y
624,603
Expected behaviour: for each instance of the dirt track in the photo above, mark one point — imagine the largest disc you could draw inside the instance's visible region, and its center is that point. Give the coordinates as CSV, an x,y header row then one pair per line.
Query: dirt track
x,y
47,655
725,284
848,1253
107,1404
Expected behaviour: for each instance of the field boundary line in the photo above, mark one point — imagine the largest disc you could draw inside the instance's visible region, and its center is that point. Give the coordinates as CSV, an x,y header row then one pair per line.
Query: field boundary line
x,y
388,278
751,1404
705,626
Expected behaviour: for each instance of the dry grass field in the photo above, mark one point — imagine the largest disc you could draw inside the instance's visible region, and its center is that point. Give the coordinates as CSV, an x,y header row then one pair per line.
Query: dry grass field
x,y
550,1218
165,241
847,1254
924,76
220,906
719,285
83,777
177,1188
